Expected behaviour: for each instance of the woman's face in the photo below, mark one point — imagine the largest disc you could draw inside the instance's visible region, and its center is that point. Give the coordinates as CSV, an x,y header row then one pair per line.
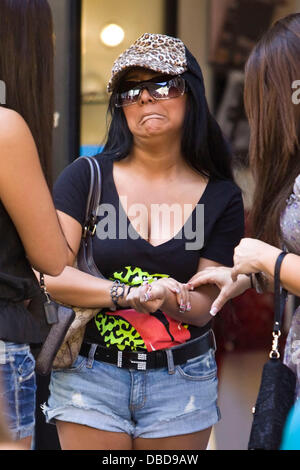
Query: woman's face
x,y
149,117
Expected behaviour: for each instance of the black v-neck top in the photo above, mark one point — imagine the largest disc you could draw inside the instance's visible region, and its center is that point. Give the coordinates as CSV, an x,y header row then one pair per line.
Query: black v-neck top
x,y
121,253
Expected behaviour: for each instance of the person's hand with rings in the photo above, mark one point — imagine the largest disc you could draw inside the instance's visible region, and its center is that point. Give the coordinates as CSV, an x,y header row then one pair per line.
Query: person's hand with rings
x,y
150,297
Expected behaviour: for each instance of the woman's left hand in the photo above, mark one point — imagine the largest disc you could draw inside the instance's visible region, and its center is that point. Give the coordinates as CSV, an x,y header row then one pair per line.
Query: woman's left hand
x,y
249,257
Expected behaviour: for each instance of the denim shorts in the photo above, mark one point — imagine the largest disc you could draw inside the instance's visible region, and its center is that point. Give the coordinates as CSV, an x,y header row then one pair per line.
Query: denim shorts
x,y
17,388
146,404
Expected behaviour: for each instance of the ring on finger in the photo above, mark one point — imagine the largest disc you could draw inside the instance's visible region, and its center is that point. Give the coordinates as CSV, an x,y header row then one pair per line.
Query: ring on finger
x,y
147,295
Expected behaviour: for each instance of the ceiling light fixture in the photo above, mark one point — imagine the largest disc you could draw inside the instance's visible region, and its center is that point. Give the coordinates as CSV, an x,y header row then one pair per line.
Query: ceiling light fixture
x,y
112,35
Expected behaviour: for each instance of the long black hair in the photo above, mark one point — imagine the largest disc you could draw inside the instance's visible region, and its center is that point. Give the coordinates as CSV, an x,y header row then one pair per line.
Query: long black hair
x,y
26,67
203,144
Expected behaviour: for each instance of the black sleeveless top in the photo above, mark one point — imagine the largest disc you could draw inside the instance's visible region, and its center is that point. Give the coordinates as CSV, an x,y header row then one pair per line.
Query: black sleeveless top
x,y
122,254
17,283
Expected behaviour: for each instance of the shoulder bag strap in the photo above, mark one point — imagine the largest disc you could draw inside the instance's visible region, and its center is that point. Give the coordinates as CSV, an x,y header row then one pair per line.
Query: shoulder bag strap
x,y
85,258
93,197
280,296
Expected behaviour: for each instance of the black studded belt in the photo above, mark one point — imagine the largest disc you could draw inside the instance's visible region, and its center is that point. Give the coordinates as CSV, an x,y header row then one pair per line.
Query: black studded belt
x,y
154,359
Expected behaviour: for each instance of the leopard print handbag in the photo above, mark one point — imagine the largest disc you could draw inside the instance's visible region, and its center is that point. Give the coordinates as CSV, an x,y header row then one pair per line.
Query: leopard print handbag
x,y
70,348
68,352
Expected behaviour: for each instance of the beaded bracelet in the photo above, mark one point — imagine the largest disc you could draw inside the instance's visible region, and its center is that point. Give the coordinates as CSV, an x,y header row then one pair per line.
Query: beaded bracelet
x,y
114,293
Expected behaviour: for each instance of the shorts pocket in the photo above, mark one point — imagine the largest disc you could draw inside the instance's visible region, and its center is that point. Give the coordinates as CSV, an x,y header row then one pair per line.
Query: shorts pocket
x,y
199,368
77,365
26,368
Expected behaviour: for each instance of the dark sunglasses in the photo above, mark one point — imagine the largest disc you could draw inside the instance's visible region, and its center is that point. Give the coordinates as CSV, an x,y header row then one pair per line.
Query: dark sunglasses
x,y
160,88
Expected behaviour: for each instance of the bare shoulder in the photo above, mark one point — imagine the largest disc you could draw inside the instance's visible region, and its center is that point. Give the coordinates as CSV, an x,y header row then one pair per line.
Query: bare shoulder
x,y
12,126
16,140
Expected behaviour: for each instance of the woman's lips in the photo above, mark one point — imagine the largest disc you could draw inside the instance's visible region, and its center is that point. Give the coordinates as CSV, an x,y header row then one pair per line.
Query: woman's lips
x,y
150,116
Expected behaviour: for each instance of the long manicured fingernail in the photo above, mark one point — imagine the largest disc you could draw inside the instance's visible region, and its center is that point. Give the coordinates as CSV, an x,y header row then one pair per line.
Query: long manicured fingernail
x,y
214,311
188,307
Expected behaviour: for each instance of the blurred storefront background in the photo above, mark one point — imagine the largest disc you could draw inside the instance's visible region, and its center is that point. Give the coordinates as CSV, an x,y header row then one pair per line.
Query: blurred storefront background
x,y
90,34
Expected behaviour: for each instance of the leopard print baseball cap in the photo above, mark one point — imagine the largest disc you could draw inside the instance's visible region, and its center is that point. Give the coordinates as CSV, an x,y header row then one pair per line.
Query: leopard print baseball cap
x,y
156,52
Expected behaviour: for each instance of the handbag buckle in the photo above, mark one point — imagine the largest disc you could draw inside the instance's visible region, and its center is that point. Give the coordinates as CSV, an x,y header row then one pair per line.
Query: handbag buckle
x,y
274,354
87,229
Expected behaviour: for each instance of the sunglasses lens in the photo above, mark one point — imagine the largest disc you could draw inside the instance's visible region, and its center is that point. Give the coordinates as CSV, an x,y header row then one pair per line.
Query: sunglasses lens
x,y
127,98
170,89
162,90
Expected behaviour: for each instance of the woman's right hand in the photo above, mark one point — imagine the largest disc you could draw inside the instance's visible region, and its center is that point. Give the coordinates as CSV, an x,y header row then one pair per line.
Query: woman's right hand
x,y
221,277
145,298
150,297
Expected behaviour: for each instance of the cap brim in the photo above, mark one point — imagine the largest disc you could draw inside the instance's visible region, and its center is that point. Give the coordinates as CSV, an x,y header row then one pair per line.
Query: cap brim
x,y
153,65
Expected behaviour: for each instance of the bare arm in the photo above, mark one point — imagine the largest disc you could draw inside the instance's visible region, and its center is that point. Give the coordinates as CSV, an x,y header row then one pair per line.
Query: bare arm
x,y
289,272
163,296
72,286
253,256
26,197
201,300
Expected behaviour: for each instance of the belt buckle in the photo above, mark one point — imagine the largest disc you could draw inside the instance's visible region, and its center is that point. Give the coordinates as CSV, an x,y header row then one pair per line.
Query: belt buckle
x,y
141,363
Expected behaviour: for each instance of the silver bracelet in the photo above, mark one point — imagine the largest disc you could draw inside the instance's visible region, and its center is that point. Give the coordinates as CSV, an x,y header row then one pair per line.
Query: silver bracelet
x,y
115,295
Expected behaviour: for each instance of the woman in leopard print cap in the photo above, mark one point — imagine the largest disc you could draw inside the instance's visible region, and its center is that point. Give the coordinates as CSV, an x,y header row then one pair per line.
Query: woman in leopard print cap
x,y
146,376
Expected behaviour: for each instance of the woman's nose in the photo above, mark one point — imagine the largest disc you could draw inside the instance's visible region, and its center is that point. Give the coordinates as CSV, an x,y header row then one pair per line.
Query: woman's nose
x,y
145,97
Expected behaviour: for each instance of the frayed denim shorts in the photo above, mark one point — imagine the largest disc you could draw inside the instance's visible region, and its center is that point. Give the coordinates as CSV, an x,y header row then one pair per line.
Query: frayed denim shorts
x,y
148,404
17,388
